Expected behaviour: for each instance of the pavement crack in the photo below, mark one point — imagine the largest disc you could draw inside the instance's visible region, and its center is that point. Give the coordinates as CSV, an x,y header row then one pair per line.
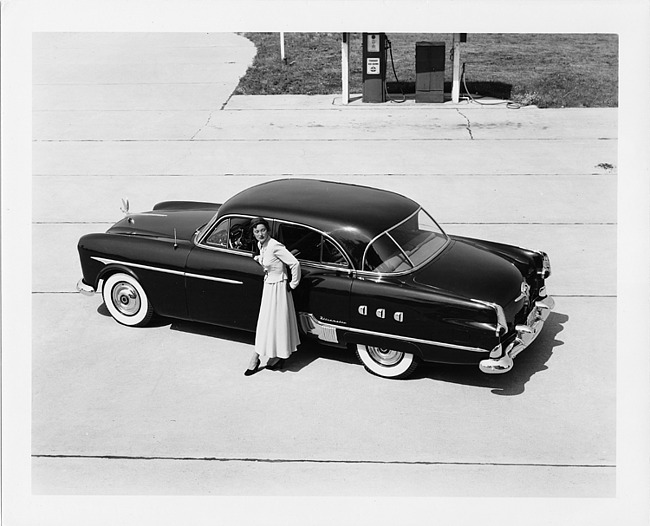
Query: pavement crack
x,y
469,124
325,461
204,126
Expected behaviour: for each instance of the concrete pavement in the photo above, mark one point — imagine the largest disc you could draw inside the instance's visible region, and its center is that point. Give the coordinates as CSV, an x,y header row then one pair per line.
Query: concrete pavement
x,y
151,117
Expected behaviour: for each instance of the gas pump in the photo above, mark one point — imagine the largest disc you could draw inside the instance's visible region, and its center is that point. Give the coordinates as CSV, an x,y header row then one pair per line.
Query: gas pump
x,y
374,67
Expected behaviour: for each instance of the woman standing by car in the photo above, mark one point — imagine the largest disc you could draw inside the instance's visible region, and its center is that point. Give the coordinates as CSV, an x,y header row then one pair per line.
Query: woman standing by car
x,y
276,335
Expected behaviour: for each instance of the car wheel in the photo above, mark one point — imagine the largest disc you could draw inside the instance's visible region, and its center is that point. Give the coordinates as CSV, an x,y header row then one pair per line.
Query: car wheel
x,y
126,300
387,362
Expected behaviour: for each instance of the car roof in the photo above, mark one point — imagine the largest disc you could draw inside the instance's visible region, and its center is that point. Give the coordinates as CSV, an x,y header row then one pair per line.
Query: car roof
x,y
348,212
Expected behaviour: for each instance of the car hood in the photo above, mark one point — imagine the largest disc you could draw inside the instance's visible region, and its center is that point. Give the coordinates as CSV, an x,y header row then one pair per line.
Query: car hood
x,y
473,273
178,224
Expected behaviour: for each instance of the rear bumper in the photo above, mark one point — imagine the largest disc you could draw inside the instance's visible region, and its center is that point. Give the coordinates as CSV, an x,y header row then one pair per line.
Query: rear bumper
x,y
85,288
526,335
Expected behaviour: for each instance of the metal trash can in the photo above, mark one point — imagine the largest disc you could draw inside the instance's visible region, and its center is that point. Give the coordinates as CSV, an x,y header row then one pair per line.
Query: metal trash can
x,y
430,72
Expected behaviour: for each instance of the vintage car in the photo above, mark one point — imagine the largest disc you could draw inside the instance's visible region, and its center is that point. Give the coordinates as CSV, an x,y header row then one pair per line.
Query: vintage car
x,y
379,275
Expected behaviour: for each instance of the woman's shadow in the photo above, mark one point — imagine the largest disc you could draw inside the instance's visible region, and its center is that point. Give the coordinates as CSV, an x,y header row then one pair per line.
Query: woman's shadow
x,y
309,350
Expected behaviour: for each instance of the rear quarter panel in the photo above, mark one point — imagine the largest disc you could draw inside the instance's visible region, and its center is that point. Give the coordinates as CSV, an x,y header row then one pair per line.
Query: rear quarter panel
x,y
407,313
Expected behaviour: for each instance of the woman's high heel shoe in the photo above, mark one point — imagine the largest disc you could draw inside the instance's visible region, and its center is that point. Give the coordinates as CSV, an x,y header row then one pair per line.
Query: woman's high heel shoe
x,y
278,364
254,369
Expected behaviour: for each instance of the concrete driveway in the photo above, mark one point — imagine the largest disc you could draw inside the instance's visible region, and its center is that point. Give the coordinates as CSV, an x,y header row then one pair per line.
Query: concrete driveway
x,y
165,410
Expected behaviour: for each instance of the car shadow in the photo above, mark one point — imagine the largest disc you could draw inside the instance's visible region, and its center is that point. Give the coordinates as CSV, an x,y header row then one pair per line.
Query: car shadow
x,y
531,361
212,331
308,350
156,321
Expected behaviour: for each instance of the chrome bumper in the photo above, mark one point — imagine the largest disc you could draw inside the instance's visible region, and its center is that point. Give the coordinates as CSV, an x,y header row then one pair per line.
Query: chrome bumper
x,y
85,289
526,334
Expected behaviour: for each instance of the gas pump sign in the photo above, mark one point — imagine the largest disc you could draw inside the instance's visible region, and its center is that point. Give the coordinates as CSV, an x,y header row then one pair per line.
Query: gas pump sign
x,y
373,43
373,66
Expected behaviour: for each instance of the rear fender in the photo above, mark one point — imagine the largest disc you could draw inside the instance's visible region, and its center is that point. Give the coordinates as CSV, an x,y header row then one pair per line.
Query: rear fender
x,y
351,339
524,259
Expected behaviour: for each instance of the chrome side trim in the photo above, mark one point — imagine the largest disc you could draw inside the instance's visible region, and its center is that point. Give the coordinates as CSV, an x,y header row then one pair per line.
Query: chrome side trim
x,y
322,331
212,278
317,326
106,261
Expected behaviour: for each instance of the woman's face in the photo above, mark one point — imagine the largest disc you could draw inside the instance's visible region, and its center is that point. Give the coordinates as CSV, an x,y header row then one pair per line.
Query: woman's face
x,y
260,232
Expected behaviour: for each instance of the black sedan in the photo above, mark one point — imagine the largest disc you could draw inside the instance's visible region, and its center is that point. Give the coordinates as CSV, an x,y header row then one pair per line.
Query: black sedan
x,y
380,276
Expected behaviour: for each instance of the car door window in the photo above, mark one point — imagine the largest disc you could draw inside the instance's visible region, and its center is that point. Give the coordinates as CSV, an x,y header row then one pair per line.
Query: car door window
x,y
240,235
302,242
219,236
234,233
309,245
332,255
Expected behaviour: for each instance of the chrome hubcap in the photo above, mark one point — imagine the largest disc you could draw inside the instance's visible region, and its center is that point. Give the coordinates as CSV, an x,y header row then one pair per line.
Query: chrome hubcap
x,y
125,298
386,357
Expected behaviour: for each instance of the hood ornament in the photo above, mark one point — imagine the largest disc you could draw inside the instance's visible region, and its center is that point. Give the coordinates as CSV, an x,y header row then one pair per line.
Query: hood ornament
x,y
125,210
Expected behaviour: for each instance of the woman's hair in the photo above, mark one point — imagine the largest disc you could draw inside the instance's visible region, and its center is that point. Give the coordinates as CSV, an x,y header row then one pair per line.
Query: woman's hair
x,y
259,221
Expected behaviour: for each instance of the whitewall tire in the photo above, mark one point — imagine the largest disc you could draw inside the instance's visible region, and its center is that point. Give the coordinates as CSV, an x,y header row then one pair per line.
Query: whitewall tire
x,y
126,300
387,363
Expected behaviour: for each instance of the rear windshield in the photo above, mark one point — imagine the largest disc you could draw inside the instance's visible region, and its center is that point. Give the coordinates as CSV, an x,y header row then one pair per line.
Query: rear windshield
x,y
405,246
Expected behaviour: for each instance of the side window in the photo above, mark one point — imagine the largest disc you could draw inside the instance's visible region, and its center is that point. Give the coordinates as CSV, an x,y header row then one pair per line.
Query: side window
x,y
240,235
303,243
219,236
234,233
332,255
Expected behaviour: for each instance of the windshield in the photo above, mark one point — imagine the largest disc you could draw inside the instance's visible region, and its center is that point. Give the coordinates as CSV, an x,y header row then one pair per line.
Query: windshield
x,y
406,245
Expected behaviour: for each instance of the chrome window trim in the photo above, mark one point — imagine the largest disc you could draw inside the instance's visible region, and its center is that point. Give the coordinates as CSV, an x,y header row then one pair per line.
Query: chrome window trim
x,y
365,252
394,336
199,240
202,232
363,258
232,251
107,261
401,250
350,266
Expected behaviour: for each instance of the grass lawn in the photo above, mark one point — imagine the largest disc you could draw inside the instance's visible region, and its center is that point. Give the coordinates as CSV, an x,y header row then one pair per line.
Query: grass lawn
x,y
548,70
